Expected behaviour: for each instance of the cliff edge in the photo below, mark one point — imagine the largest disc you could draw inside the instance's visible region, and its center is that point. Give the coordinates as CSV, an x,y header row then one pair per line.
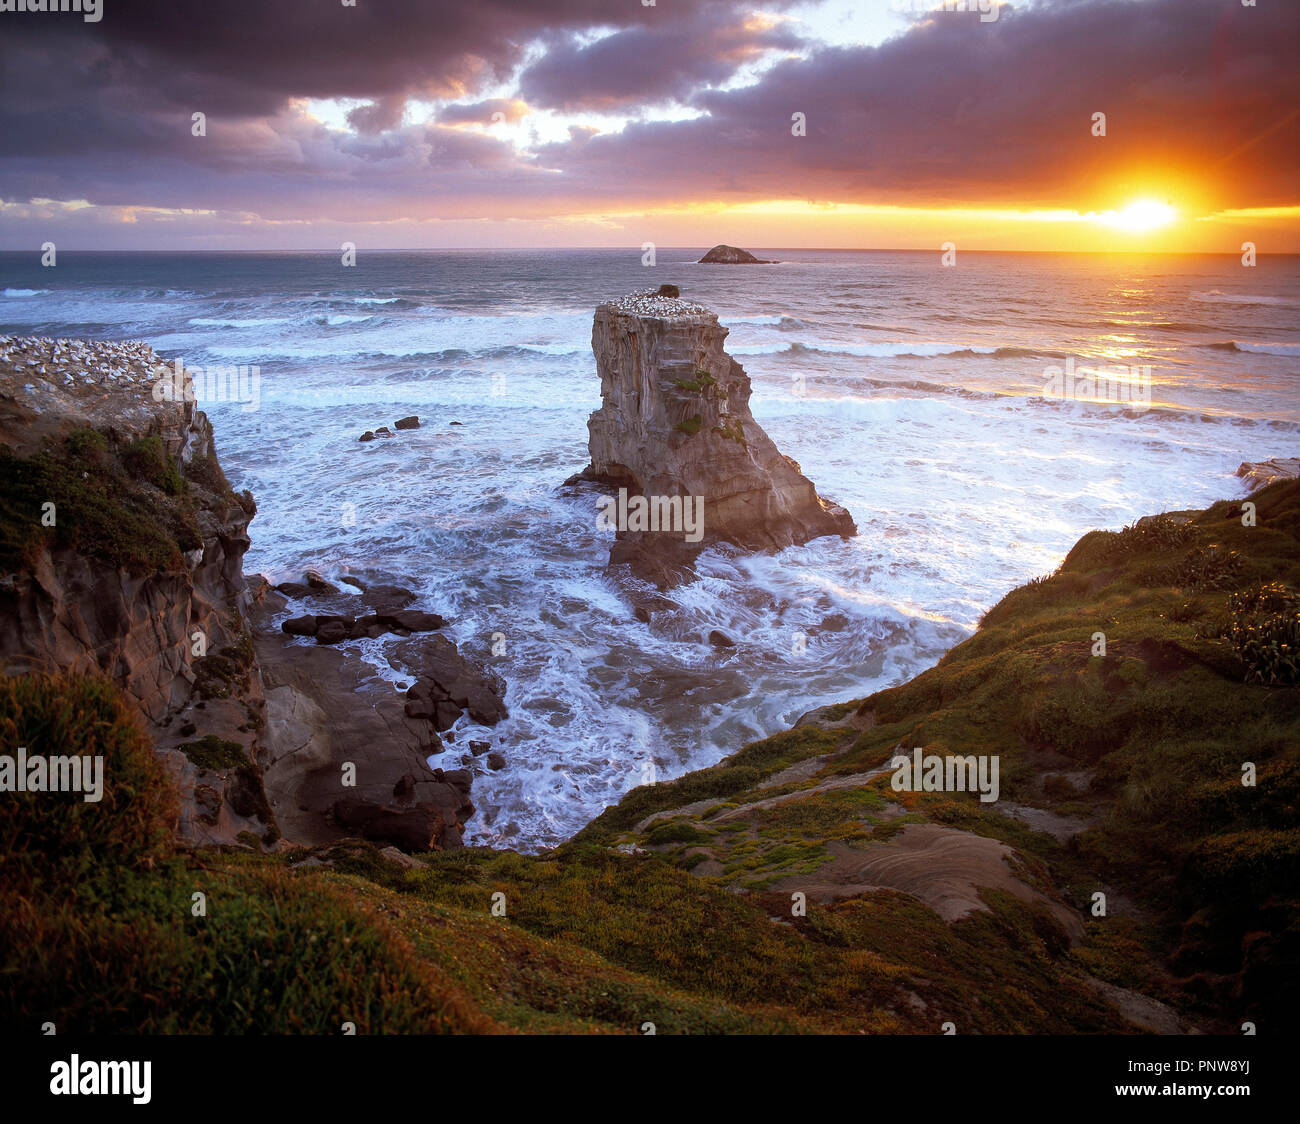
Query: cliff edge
x,y
121,553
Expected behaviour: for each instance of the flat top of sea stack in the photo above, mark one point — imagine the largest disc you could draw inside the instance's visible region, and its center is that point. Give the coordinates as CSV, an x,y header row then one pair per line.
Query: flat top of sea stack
x,y
723,254
649,304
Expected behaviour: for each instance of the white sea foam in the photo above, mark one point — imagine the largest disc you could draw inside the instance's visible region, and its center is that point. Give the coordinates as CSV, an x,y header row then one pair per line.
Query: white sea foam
x,y
1283,349
922,413
422,335
864,350
254,322
1214,296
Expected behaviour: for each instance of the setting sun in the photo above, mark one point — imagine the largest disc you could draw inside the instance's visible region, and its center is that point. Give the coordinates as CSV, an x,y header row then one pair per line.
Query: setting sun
x,y
1140,215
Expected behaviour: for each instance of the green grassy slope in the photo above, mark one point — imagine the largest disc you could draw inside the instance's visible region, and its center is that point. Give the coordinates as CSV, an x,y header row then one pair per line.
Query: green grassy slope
x,y
1132,761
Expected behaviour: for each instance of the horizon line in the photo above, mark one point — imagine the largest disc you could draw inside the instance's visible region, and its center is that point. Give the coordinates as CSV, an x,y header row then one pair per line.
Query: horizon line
x,y
333,250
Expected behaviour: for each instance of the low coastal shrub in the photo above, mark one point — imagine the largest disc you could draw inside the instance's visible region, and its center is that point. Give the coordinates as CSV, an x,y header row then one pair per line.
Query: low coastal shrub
x,y
147,460
1206,568
1157,535
275,952
666,833
1264,630
1153,735
60,835
98,927
1244,865
213,753
98,508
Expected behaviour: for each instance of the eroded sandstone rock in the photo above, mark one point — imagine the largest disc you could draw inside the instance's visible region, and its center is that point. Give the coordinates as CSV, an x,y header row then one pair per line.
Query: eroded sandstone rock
x,y
327,711
674,422
1259,474
409,829
448,684
154,598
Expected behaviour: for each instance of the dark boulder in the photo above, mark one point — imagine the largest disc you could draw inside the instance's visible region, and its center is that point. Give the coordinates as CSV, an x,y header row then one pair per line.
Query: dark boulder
x,y
333,631
445,677
647,606
442,712
412,422
462,780
663,559
366,627
420,705
312,585
300,626
318,584
418,828
387,598
446,716
413,620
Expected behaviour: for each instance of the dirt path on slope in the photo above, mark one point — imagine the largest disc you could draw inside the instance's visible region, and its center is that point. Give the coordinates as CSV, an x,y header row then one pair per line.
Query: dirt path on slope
x,y
941,866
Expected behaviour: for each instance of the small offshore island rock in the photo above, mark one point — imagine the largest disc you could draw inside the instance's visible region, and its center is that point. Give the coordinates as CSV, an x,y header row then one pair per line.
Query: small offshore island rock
x,y
723,254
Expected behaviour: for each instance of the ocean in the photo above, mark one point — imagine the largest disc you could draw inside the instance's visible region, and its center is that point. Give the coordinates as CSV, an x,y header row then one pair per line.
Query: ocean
x,y
911,393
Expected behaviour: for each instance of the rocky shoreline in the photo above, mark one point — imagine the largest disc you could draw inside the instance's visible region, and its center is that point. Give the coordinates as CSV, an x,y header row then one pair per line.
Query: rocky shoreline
x,y
272,720
264,735
1260,474
302,786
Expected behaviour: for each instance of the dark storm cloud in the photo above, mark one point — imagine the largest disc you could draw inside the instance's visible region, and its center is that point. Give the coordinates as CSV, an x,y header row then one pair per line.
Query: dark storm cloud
x,y
644,65
84,107
959,111
248,56
378,116
956,111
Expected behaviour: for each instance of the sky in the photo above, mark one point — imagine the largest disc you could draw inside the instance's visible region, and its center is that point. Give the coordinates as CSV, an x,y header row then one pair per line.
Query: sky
x,y
768,124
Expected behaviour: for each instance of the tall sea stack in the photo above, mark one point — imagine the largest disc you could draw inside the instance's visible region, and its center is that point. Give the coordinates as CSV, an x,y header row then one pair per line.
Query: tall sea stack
x,y
674,421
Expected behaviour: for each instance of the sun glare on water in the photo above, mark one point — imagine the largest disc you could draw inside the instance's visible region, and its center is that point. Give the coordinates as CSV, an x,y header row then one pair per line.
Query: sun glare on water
x,y
1140,215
